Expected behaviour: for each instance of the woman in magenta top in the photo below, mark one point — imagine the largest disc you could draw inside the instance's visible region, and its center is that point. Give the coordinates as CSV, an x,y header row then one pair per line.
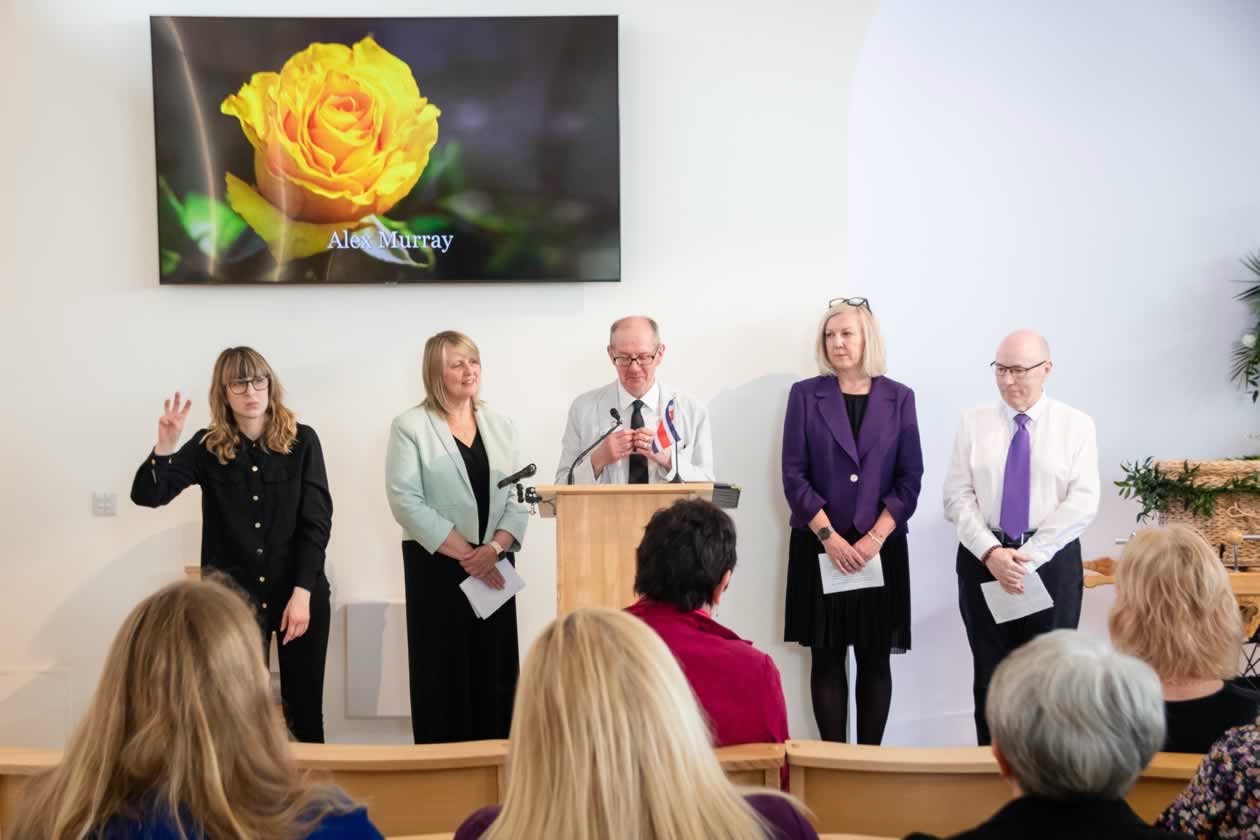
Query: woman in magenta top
x,y
684,564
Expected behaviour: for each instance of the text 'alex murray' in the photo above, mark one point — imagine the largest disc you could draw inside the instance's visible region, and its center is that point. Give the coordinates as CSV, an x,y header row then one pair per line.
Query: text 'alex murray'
x,y
392,239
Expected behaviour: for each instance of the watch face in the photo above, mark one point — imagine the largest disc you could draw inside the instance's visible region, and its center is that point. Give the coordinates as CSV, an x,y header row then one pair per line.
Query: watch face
x,y
824,533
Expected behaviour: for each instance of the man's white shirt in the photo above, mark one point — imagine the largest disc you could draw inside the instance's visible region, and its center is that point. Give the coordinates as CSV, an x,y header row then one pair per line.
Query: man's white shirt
x,y
1064,490
589,417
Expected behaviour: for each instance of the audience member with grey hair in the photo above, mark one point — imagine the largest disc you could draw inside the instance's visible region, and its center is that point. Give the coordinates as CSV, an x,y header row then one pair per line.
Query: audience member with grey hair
x,y
1074,723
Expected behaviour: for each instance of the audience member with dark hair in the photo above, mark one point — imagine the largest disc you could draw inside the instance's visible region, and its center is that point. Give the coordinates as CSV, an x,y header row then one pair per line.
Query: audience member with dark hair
x,y
1074,722
684,564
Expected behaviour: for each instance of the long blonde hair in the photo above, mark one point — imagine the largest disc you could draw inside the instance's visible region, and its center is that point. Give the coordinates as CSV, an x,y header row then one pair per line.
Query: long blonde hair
x,y
223,436
181,728
608,741
1174,607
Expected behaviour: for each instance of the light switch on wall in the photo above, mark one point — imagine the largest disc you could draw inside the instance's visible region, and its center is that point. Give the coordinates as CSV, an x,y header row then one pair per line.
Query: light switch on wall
x,y
104,504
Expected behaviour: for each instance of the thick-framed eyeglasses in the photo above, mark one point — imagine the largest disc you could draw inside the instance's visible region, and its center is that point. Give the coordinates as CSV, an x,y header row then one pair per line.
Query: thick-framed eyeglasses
x,y
854,301
240,386
642,360
1017,373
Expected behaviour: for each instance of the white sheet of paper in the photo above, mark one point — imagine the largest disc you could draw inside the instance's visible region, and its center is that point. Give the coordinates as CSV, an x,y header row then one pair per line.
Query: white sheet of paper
x,y
1007,607
833,580
485,599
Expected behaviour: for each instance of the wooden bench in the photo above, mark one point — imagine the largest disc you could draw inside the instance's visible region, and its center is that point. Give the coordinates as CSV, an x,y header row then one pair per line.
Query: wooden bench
x,y
755,765
891,791
868,791
895,790
413,788
1162,782
422,789
408,788
17,764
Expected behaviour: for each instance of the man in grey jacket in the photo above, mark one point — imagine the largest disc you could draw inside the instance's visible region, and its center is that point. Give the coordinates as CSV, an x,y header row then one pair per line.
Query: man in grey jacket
x,y
664,436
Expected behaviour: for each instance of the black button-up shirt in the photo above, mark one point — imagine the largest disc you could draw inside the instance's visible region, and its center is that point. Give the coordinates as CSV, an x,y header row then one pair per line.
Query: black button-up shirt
x,y
265,516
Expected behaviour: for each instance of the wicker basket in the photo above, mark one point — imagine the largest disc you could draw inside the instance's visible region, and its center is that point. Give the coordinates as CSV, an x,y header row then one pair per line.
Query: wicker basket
x,y
1235,515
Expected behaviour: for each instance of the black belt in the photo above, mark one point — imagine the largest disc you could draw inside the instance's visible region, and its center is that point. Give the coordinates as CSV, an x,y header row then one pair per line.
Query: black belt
x,y
1008,541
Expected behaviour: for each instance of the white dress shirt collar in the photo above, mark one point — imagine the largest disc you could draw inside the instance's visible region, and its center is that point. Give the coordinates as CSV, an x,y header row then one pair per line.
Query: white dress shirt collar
x,y
1034,412
651,400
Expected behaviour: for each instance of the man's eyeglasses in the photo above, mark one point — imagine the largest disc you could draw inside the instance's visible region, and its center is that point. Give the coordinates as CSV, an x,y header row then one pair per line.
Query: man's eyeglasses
x,y
240,386
642,360
1015,371
854,301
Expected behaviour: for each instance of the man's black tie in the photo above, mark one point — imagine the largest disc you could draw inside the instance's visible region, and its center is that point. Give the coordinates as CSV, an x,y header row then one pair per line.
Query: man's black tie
x,y
638,463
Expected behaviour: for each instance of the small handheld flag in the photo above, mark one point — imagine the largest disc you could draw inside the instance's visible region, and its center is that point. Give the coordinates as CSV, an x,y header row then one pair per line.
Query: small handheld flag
x,y
666,433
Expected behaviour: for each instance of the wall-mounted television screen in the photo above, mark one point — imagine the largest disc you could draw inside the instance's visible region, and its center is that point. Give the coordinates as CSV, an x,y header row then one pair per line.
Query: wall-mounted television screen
x,y
386,150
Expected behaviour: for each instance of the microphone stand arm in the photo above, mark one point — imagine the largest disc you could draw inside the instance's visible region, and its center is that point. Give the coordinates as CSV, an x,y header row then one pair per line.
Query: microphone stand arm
x,y
588,449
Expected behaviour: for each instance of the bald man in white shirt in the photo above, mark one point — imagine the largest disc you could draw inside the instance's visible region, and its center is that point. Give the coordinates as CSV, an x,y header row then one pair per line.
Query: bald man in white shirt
x,y
664,435
1022,487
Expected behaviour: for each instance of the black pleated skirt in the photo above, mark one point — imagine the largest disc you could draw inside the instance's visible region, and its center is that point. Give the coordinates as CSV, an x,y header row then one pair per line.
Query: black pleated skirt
x,y
462,669
872,619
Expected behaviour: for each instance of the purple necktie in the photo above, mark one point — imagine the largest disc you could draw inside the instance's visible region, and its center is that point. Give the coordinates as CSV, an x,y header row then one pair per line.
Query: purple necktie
x,y
1016,483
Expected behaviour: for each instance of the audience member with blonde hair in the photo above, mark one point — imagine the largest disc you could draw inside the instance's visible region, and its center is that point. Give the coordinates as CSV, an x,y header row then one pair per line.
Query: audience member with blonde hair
x,y
1074,722
181,740
608,741
1175,610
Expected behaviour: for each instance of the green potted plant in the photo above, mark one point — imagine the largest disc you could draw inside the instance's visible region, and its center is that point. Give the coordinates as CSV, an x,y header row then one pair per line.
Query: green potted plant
x,y
1220,498
1246,370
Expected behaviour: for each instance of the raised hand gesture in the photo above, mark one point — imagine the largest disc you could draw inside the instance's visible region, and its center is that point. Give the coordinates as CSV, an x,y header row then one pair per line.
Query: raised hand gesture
x,y
171,425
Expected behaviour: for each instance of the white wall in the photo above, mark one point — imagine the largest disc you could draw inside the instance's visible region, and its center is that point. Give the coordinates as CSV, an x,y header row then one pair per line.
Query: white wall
x,y
971,167
1087,169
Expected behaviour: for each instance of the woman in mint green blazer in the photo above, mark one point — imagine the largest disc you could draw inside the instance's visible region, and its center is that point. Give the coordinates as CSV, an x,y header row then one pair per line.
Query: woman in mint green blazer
x,y
445,457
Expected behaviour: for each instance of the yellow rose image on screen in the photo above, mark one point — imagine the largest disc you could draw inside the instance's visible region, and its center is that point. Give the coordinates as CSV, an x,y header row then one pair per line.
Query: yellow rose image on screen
x,y
339,134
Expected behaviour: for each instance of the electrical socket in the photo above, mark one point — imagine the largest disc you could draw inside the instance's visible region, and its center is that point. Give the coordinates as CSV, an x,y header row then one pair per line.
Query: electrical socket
x,y
104,504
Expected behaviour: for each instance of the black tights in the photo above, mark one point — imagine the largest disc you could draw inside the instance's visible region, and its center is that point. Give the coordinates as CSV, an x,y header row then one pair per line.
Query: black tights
x,y
829,689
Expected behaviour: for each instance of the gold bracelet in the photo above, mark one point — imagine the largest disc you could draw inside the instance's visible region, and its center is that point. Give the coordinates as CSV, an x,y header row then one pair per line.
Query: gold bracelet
x,y
878,541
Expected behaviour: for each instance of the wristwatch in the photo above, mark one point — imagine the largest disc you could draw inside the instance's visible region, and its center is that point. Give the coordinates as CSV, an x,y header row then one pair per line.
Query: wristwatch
x,y
824,534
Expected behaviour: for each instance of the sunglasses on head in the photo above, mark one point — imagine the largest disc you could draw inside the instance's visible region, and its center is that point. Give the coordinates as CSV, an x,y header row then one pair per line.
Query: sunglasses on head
x,y
853,301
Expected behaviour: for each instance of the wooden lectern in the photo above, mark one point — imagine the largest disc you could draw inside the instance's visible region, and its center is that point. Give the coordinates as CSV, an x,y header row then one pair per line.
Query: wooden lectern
x,y
598,528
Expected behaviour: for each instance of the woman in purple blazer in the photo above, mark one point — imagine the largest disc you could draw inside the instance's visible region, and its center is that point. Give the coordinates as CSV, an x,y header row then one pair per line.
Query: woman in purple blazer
x,y
852,467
